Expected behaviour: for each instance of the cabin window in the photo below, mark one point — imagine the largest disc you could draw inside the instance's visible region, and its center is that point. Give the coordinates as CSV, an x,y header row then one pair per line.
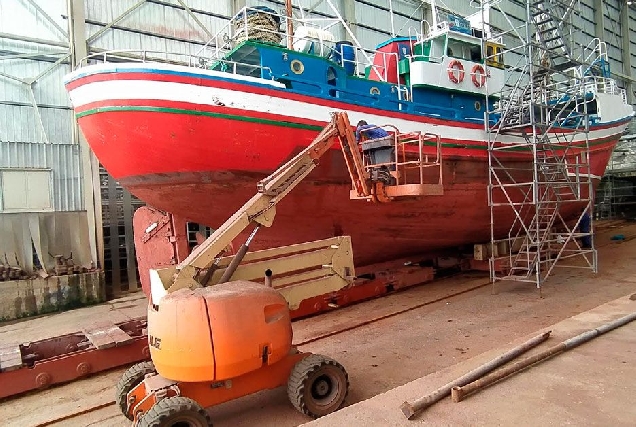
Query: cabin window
x,y
437,49
499,56
475,53
494,56
422,49
462,50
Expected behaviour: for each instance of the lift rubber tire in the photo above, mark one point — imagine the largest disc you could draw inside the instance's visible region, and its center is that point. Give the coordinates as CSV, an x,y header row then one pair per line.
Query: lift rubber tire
x,y
176,411
318,385
129,380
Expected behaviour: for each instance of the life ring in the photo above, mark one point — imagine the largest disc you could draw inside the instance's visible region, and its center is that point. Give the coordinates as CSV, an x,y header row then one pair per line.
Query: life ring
x,y
479,75
454,66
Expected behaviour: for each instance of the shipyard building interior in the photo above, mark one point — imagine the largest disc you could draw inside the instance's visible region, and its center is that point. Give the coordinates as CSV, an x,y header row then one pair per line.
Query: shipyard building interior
x,y
317,212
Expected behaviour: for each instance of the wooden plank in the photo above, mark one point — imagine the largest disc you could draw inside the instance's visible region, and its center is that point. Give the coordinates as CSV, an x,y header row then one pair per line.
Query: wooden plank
x,y
107,336
10,357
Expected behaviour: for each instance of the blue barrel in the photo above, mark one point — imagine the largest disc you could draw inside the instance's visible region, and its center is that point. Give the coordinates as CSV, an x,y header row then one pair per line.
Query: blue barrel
x,y
345,55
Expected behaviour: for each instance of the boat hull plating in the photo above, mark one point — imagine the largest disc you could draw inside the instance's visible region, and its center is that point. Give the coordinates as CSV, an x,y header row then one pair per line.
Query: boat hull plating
x,y
197,149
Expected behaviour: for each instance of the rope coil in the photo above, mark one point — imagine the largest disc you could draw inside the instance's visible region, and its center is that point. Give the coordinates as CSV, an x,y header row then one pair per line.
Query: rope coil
x,y
258,26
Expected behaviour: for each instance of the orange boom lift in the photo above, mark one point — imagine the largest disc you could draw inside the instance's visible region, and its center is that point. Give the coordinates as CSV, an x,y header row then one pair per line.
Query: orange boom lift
x,y
211,344
213,340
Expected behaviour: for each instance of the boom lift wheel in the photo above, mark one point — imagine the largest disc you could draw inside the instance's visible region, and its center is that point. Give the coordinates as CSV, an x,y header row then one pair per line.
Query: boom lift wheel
x,y
318,385
176,412
129,380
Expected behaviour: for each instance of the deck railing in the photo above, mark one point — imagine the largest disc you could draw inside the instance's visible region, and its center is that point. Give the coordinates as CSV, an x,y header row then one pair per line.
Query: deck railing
x,y
268,26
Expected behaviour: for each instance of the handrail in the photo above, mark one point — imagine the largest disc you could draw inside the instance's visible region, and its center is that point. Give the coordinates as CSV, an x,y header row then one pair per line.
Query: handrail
x,y
238,29
142,55
409,159
585,84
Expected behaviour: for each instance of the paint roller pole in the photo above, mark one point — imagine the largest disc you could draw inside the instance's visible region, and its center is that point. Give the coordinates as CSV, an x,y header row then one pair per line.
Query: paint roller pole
x,y
410,409
231,268
459,392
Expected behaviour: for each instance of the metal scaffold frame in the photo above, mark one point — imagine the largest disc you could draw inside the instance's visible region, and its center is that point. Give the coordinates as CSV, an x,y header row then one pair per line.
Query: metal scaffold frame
x,y
543,206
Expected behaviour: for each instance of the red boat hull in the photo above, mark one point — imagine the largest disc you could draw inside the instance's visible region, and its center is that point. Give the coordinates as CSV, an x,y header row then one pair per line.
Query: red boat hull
x,y
197,184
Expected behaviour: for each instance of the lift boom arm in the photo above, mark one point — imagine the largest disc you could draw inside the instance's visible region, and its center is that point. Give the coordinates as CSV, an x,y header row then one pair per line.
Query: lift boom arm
x,y
260,210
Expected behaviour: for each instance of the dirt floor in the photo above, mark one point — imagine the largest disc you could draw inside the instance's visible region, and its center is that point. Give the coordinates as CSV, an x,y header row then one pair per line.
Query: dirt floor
x,y
379,356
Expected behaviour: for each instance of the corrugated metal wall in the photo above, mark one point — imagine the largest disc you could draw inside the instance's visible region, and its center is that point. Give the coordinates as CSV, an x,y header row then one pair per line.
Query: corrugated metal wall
x,y
612,36
32,71
369,19
62,158
586,28
164,26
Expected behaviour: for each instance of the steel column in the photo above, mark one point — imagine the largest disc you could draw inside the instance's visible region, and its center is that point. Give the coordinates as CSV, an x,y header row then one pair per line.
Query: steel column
x,y
89,166
237,5
599,19
626,51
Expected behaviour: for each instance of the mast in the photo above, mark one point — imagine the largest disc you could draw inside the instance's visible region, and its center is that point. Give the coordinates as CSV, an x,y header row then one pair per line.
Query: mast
x,y
391,13
290,28
434,14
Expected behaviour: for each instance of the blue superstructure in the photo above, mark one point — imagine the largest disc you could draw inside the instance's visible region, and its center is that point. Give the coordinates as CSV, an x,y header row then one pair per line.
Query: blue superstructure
x,y
325,78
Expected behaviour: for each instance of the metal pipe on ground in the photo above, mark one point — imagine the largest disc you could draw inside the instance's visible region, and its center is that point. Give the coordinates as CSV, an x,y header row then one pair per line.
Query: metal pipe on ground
x,y
459,392
410,409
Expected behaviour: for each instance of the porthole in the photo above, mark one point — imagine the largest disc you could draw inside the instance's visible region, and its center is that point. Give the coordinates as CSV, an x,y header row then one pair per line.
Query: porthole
x,y
477,105
374,91
297,66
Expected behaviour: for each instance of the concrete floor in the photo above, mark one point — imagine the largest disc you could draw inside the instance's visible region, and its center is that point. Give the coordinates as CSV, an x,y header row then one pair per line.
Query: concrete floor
x,y
590,385
379,356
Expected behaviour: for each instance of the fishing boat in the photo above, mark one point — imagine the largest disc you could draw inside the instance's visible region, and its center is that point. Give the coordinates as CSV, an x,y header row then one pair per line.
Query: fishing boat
x,y
194,139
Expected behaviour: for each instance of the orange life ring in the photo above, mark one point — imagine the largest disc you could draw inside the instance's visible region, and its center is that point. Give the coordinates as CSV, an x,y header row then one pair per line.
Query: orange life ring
x,y
479,75
454,66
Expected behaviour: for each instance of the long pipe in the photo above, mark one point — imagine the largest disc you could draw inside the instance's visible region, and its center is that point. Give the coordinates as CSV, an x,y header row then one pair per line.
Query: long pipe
x,y
459,392
411,409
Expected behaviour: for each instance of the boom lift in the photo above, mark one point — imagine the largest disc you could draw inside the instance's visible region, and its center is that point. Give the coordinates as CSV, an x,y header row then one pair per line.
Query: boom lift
x,y
211,344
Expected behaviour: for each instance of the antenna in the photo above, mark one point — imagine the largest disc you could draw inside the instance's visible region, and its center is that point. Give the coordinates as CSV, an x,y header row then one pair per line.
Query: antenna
x,y
434,14
391,13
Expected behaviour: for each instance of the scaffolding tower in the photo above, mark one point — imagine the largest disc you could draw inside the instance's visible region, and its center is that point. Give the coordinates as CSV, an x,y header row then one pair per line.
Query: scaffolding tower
x,y
540,189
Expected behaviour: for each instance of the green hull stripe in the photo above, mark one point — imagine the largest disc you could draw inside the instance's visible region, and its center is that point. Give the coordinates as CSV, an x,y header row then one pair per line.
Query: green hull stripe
x,y
278,123
197,113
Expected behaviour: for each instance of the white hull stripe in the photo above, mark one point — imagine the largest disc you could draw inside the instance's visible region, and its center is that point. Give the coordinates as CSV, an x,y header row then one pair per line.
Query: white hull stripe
x,y
205,95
